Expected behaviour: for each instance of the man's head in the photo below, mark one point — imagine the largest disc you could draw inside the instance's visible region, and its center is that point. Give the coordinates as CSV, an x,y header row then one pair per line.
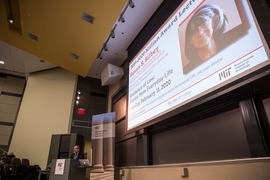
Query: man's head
x,y
76,149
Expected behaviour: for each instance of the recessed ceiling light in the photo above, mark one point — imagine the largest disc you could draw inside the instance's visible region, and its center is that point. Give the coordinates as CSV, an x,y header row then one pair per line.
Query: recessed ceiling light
x,y
88,18
75,56
2,62
32,36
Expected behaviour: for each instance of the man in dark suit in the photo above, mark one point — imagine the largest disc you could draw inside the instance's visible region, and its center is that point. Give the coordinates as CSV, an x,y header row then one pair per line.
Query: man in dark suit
x,y
76,153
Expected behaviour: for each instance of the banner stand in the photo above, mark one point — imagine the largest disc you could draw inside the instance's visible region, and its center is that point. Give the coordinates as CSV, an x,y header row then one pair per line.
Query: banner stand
x,y
103,134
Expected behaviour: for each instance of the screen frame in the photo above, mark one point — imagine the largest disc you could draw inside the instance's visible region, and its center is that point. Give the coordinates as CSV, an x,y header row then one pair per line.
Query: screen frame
x,y
261,22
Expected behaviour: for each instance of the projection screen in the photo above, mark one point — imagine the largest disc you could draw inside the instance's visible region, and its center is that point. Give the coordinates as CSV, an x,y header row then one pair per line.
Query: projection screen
x,y
202,46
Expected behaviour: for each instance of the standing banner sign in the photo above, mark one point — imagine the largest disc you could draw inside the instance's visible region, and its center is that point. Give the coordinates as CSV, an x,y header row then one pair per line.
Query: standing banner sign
x,y
103,134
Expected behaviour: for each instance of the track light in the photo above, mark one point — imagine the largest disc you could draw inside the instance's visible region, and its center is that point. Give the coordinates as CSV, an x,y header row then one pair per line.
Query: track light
x,y
122,19
10,20
105,47
131,4
112,34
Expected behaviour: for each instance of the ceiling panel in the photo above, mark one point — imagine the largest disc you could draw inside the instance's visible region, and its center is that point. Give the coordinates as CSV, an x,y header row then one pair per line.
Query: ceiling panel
x,y
60,30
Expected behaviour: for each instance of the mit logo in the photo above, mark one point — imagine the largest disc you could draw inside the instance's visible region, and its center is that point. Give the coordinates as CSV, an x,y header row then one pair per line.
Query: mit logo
x,y
97,127
224,74
59,164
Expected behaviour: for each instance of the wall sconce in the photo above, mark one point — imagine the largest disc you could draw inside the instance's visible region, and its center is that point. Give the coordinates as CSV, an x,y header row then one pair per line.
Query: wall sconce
x,y
78,97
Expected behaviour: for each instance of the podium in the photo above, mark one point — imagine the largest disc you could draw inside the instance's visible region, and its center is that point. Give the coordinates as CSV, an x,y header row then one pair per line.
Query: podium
x,y
70,170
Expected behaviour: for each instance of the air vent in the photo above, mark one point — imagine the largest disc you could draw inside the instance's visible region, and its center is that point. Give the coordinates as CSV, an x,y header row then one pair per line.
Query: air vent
x,y
32,36
74,56
88,18
82,124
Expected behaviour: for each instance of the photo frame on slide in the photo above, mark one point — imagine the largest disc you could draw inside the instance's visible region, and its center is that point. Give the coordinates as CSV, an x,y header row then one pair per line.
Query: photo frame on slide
x,y
209,29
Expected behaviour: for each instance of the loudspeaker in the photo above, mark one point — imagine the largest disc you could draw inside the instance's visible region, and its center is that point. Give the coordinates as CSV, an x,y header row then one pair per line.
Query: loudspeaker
x,y
111,74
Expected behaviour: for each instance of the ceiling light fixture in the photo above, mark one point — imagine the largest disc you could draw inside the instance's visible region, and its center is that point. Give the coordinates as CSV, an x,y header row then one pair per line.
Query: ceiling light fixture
x,y
112,34
122,19
131,4
10,18
100,56
2,62
105,47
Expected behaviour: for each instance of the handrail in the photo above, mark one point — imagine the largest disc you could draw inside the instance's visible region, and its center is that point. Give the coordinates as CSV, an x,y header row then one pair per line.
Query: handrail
x,y
4,152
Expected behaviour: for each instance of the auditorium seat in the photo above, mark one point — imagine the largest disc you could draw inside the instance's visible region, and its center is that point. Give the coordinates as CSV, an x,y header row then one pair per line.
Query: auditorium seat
x,y
25,162
10,172
5,159
26,166
11,156
33,172
16,162
2,172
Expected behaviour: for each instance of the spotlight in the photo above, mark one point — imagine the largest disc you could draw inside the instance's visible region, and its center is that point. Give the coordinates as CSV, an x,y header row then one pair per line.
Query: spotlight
x,y
10,20
131,4
100,56
105,47
122,19
112,34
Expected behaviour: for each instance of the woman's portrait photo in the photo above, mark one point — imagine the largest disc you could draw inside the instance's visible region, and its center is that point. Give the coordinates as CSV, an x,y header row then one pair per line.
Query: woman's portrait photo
x,y
206,33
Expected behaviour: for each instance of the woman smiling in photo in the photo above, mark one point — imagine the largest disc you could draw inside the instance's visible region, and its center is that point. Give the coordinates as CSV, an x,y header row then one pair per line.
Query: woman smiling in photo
x,y
204,35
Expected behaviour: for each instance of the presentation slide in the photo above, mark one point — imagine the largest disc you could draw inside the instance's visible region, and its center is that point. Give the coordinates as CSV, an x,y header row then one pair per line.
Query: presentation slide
x,y
203,45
